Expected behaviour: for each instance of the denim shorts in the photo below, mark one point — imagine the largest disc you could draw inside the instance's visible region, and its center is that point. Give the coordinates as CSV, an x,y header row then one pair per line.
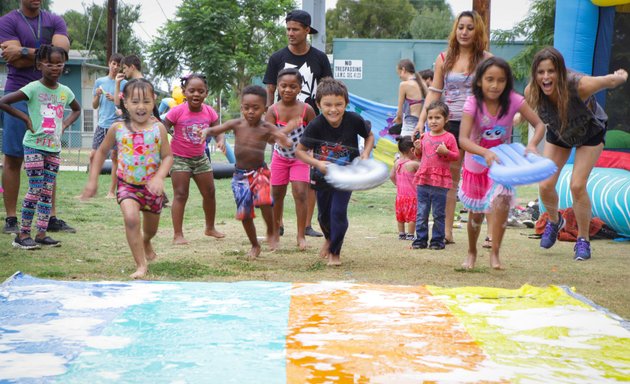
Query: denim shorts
x,y
13,130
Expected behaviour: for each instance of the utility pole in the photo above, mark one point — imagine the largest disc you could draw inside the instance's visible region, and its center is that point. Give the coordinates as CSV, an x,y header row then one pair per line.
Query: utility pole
x,y
482,7
317,10
112,28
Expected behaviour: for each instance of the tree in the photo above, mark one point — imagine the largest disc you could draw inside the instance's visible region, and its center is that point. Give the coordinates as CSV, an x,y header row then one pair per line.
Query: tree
x,y
432,23
88,30
8,5
537,30
374,19
229,41
422,5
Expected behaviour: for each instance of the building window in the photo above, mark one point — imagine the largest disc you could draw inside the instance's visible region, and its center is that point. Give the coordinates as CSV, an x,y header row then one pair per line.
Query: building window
x,y
88,120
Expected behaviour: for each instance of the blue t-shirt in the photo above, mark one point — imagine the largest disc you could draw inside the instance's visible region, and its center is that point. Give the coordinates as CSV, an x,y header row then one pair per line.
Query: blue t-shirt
x,y
106,108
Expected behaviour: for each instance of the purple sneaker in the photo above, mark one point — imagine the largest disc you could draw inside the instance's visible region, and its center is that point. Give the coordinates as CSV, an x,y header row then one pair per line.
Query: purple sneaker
x,y
582,249
552,230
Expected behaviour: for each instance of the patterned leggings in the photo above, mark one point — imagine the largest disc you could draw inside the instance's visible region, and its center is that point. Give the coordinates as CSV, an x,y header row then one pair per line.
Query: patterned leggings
x,y
41,168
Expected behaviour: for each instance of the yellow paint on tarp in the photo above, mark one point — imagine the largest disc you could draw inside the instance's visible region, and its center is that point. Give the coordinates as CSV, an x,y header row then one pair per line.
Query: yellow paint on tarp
x,y
542,334
363,333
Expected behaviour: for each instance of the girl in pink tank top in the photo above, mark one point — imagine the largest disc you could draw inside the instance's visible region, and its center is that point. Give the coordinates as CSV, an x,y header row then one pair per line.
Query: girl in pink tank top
x,y
406,197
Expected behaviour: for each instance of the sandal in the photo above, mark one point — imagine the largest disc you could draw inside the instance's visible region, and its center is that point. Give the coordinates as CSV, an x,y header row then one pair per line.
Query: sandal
x,y
447,241
487,243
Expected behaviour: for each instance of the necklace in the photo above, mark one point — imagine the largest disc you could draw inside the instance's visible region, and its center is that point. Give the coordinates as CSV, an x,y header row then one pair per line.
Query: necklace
x,y
39,27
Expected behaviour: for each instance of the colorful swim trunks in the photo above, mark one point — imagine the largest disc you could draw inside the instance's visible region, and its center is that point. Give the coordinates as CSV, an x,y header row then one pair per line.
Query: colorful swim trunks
x,y
251,188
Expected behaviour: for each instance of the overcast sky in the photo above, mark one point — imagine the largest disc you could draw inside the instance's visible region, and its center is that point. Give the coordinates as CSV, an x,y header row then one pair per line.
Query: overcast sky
x,y
504,13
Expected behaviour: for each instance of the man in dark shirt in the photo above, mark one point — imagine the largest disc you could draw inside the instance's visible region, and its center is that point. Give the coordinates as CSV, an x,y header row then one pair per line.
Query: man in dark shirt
x,y
22,31
313,65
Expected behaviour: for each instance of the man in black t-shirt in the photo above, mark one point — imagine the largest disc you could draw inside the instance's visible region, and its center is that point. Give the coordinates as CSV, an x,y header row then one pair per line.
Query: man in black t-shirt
x,y
312,63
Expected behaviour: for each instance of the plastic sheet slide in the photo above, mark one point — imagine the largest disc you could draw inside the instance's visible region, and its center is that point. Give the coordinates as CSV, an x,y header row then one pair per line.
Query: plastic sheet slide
x,y
266,332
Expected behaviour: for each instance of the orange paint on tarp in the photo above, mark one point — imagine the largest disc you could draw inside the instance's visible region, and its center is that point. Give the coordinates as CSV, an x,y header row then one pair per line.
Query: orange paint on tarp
x,y
362,333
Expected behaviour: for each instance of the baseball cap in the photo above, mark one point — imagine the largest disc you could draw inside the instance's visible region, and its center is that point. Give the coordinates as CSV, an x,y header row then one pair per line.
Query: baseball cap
x,y
301,17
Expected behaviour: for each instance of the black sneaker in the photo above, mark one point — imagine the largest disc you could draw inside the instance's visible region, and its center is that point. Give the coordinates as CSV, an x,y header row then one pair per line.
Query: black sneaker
x,y
410,236
48,242
437,247
418,245
11,225
309,231
26,243
58,225
402,236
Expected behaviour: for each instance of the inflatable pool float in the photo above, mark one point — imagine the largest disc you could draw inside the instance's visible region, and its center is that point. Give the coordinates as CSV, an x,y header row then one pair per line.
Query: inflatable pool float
x,y
357,176
516,167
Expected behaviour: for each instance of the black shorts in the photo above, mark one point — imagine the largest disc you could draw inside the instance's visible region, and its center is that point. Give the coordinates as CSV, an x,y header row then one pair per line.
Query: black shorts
x,y
596,140
453,127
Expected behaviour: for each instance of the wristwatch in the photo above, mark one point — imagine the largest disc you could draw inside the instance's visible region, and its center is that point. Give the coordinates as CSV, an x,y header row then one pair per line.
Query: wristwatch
x,y
24,51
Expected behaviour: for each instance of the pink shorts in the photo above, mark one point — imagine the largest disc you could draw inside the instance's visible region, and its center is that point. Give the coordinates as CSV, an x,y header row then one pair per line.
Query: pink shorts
x,y
140,194
284,170
406,209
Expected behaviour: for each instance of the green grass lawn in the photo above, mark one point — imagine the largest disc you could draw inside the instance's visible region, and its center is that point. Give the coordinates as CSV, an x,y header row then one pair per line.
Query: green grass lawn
x,y
371,253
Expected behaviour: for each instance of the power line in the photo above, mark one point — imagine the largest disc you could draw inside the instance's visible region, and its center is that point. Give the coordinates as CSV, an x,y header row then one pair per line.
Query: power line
x,y
161,9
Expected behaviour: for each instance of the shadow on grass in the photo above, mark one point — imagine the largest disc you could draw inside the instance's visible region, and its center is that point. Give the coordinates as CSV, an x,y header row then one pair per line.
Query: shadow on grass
x,y
186,269
52,273
473,270
244,265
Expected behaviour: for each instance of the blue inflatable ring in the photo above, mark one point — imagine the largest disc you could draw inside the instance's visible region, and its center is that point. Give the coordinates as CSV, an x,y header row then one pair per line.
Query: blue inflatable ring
x,y
516,168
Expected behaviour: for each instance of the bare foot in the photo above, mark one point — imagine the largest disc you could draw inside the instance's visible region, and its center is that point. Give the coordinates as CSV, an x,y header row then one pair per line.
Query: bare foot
x,y
272,242
334,260
253,253
110,195
149,253
495,263
214,233
139,273
324,252
470,261
179,240
301,243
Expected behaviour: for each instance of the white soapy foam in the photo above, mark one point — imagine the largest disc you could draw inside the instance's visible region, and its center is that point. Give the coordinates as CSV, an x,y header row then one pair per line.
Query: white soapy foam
x,y
107,342
109,375
417,345
319,339
322,367
316,355
561,342
14,366
75,329
322,287
395,318
579,320
82,298
380,299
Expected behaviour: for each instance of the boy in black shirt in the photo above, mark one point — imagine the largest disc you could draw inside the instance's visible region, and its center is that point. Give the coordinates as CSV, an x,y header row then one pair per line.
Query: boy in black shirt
x,y
332,136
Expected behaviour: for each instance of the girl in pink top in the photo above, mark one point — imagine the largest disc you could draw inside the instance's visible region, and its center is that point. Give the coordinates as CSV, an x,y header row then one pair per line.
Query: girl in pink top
x,y
186,121
436,150
402,176
486,123
291,116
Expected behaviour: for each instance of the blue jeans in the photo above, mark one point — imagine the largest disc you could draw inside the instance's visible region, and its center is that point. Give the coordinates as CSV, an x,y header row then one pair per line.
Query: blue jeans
x,y
430,198
332,207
